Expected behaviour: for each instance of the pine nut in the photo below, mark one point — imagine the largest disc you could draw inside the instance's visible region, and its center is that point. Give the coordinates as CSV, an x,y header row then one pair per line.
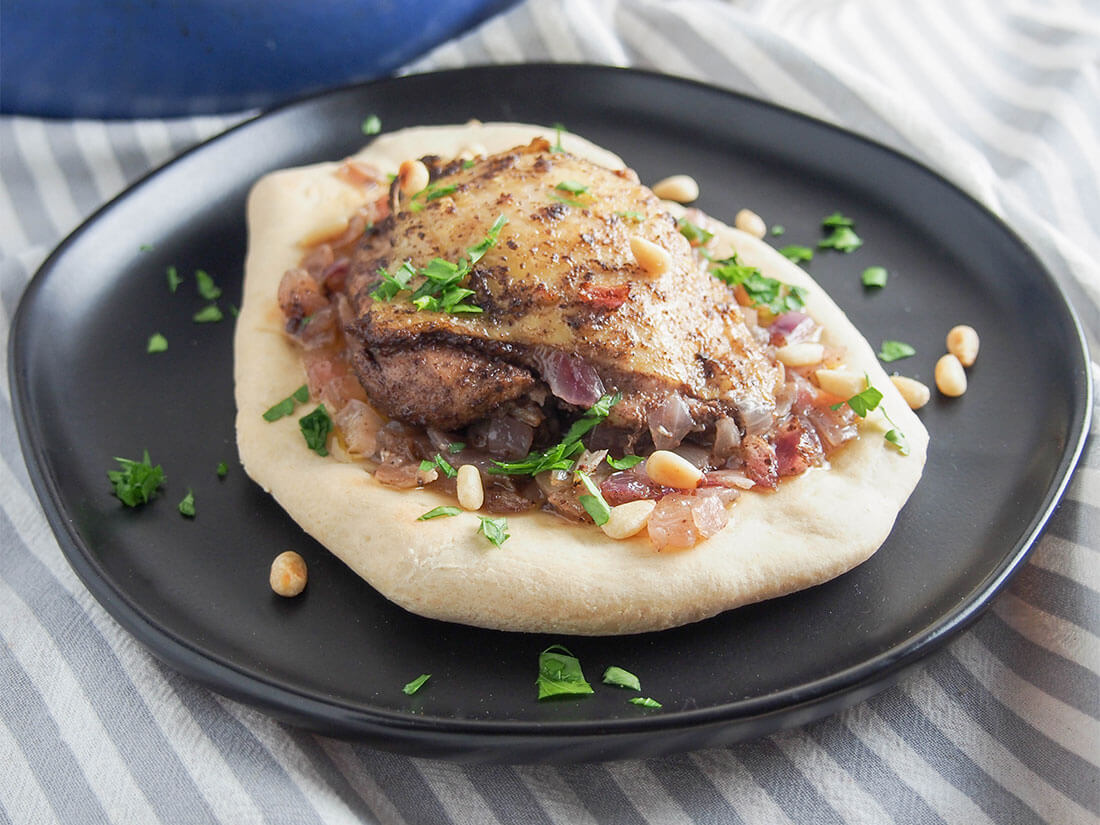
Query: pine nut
x,y
412,176
748,221
679,188
288,574
841,382
950,376
803,354
471,492
628,519
915,393
651,257
962,342
671,470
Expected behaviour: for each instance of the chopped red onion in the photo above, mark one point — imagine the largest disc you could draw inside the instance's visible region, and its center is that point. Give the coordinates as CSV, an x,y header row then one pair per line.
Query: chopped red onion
x,y
727,438
791,327
670,422
570,378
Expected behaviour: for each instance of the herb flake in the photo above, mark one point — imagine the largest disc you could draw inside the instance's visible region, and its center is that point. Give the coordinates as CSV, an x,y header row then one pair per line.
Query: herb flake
x,y
874,276
624,463
593,502
842,236
796,253
222,469
372,125
562,454
560,674
206,286
696,235
136,482
174,279
494,529
621,678
439,512
415,685
645,702
209,314
895,350
187,505
287,405
157,343
315,429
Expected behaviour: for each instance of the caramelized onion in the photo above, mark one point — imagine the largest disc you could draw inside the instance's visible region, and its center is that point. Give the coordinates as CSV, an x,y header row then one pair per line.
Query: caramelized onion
x,y
670,422
358,424
570,378
727,438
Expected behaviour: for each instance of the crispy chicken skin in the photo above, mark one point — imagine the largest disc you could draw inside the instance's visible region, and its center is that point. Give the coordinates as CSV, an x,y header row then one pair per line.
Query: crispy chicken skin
x,y
560,279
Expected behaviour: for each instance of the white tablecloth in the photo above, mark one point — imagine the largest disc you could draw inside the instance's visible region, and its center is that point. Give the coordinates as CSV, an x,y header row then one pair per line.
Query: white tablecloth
x,y
1003,98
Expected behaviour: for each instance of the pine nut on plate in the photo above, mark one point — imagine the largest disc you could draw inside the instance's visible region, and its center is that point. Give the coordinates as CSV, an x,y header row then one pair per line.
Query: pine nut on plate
x,y
470,490
288,574
651,257
962,342
671,470
679,188
840,382
412,176
950,376
914,393
628,519
749,222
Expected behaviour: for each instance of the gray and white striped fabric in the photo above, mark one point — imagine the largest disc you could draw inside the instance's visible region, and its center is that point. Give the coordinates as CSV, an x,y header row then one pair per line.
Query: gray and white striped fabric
x,y
1003,726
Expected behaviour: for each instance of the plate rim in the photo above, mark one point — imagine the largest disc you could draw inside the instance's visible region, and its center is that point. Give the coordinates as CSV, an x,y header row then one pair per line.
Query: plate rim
x,y
398,730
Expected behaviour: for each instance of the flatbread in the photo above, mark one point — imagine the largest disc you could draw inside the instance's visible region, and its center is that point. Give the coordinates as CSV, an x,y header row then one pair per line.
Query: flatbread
x,y
550,575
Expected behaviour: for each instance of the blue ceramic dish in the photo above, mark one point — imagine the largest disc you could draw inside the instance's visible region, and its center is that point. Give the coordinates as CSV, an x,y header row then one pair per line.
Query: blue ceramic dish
x,y
158,58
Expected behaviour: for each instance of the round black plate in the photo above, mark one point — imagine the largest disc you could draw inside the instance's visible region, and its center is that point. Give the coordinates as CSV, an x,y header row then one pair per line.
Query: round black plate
x,y
334,660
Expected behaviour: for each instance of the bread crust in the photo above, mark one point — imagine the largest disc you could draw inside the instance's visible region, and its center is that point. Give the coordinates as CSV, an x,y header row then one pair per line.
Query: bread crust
x,y
550,576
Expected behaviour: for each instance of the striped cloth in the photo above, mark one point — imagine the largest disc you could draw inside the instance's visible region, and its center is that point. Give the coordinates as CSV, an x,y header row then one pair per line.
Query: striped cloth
x,y
1003,726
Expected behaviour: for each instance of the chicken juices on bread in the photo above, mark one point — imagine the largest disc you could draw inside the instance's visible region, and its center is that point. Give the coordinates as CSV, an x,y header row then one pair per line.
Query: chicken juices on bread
x,y
611,405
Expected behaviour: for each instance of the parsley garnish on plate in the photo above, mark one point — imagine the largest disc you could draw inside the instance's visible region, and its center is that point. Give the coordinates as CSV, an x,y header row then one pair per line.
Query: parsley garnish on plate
x,y
621,678
222,470
645,702
630,215
775,295
187,505
440,291
560,674
696,235
866,401
174,279
562,454
206,286
415,685
494,529
593,502
895,350
796,253
372,125
433,191
287,405
842,236
209,314
315,428
624,463
157,343
557,148
441,463
136,482
438,512
779,229
874,276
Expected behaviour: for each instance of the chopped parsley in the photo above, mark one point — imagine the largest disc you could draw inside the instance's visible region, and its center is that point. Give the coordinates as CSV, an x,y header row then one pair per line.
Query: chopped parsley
x,y
187,505
572,187
145,247
696,235
557,147
775,295
209,314
779,229
206,286
233,310
630,215
441,463
136,482
593,502
494,529
626,462
438,512
222,470
174,279
440,290
157,343
895,350
867,401
456,447
372,125
560,674
469,163
842,237
580,195
315,429
287,405
645,702
874,276
562,454
415,685
797,253
433,191
621,678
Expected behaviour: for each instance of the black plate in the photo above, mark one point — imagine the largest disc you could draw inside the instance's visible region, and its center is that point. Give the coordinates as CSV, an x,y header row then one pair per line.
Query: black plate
x,y
335,659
